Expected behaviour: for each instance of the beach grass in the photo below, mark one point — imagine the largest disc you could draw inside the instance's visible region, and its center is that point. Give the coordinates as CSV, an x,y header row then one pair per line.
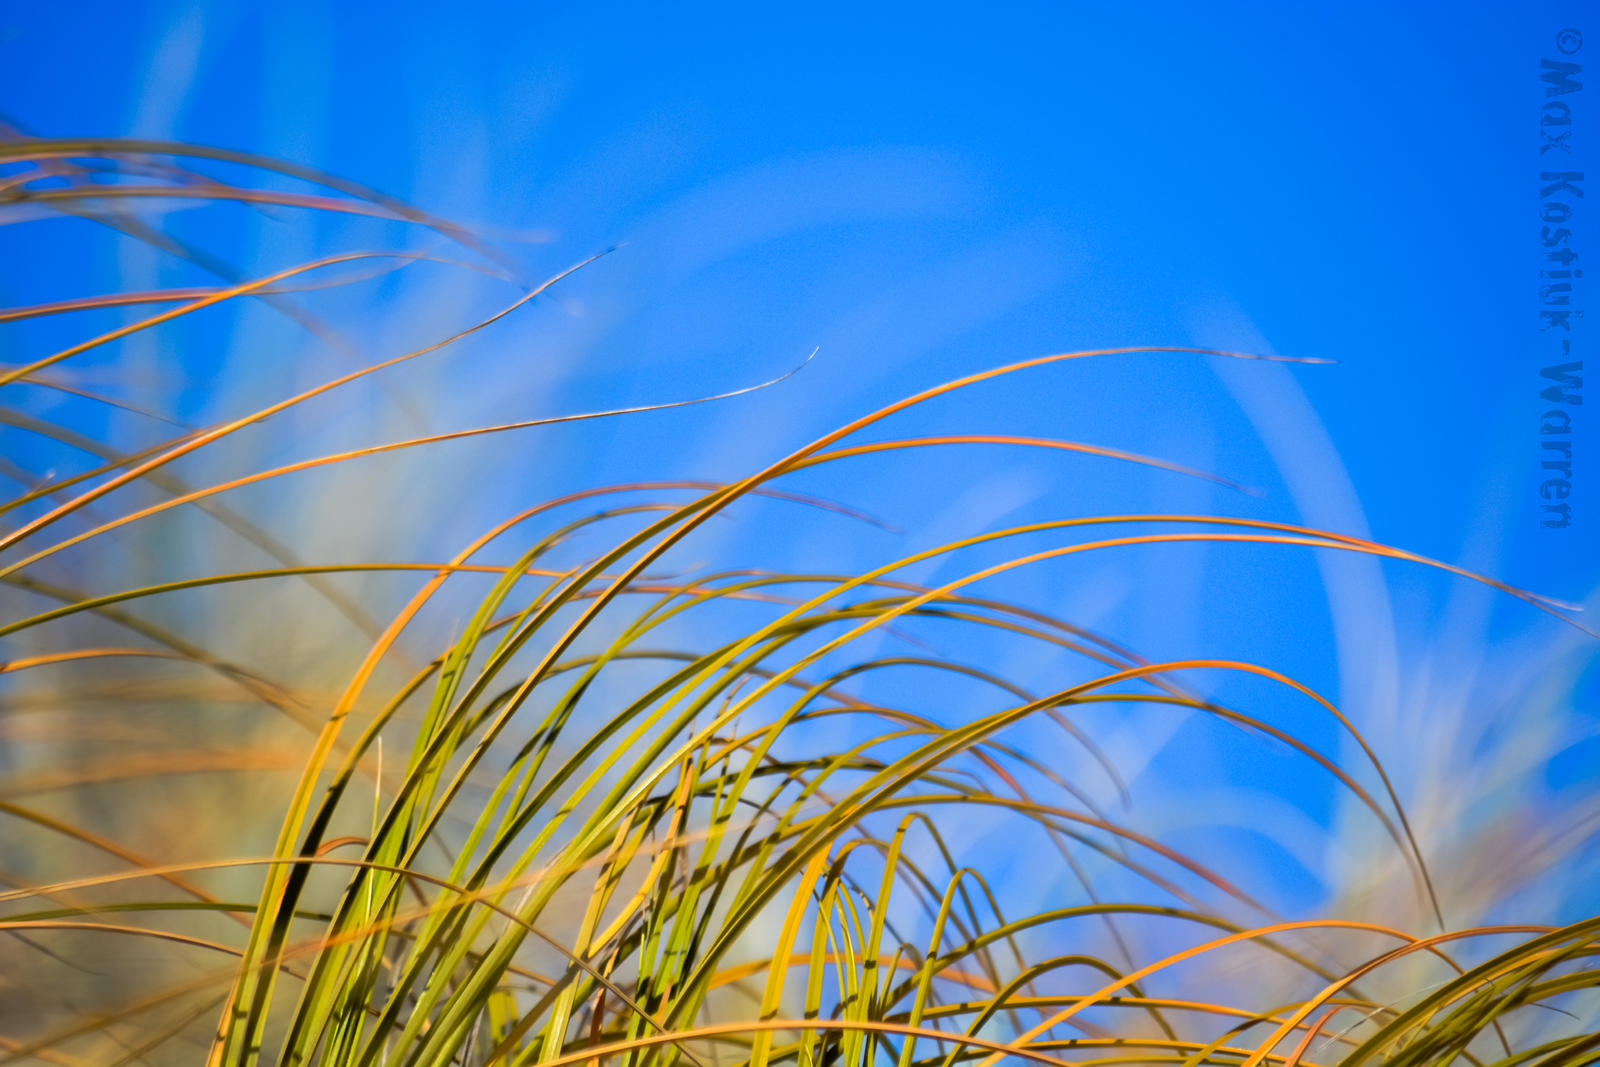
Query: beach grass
x,y
620,813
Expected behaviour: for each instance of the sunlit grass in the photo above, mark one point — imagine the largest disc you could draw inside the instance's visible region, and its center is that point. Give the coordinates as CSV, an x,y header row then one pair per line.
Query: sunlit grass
x,y
624,813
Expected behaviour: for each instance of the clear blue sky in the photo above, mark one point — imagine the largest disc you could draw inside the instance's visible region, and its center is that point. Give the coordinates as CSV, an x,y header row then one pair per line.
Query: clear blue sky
x,y
927,190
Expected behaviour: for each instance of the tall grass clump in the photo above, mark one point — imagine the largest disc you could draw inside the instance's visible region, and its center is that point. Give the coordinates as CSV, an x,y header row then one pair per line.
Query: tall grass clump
x,y
568,795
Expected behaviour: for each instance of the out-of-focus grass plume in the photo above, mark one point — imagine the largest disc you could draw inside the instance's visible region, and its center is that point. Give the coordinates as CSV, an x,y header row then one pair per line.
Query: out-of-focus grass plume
x,y
294,771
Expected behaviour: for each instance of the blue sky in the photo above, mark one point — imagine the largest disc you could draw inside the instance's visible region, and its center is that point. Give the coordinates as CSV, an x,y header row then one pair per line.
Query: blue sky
x,y
921,192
